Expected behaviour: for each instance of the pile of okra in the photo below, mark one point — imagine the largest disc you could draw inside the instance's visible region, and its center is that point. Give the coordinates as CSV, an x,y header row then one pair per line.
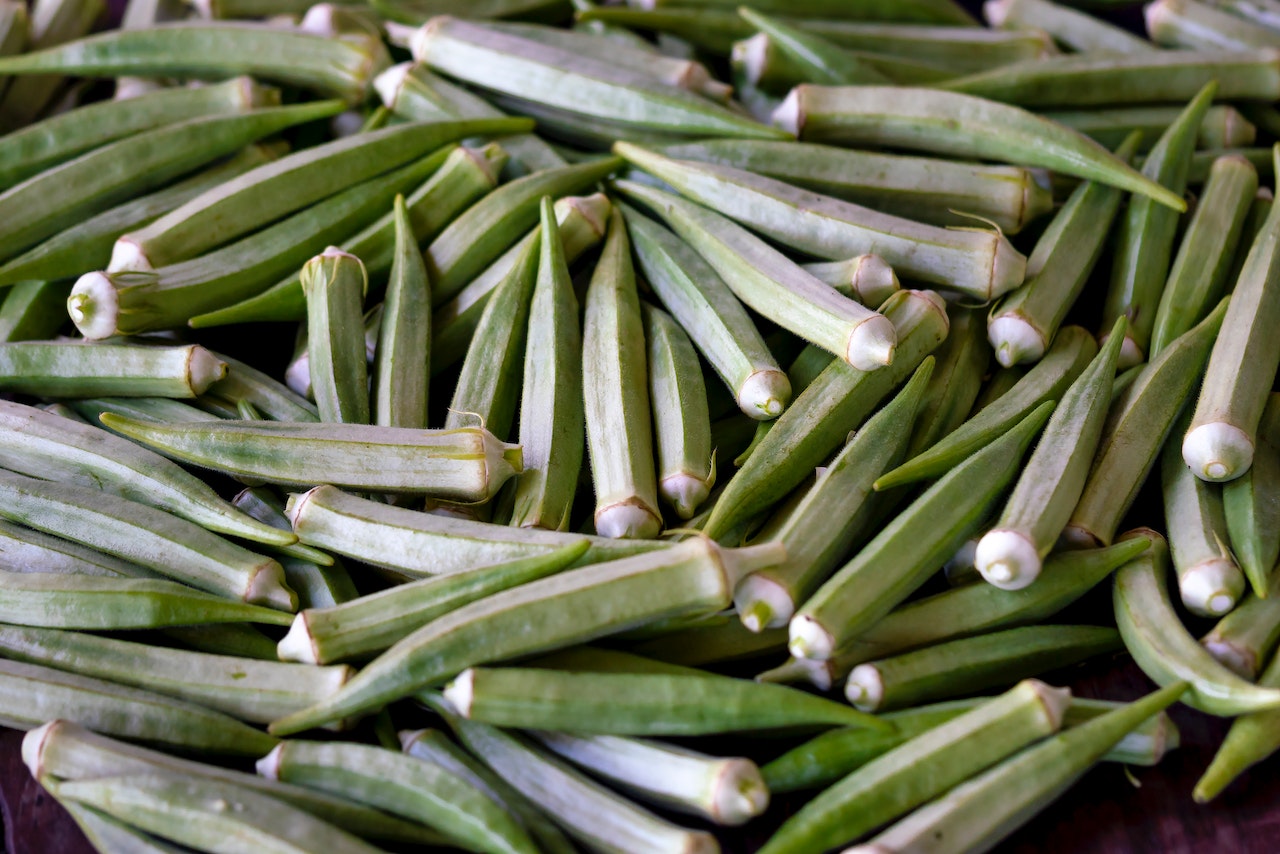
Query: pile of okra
x,y
662,372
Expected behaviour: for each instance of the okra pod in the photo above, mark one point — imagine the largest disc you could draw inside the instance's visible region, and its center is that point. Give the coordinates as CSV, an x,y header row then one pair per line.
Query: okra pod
x,y
1222,126
1252,506
111,835
335,283
272,398
961,363
819,60
866,278
1252,738
82,369
401,371
1245,639
26,550
33,310
52,23
716,639
1200,26
1073,29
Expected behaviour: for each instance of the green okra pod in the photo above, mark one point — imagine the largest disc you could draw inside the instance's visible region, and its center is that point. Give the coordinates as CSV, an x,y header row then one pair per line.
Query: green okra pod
x,y
1011,554
33,695
956,124
977,263
52,23
1077,31
366,626
1072,350
1222,126
401,785
1245,639
615,392
552,423
695,576
718,324
716,639
274,399
147,536
767,281
819,60
1023,324
1251,504
1219,445
111,835
1139,421
27,550
923,768
33,310
1253,737
1166,651
267,507
914,544
972,664
342,66
401,370
335,283
1147,232
866,278
1199,274
686,465
84,369
1201,26
956,381
835,403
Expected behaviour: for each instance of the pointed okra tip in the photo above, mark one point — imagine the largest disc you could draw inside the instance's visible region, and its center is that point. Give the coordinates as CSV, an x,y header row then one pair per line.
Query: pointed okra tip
x,y
203,369
631,518
685,492
1053,701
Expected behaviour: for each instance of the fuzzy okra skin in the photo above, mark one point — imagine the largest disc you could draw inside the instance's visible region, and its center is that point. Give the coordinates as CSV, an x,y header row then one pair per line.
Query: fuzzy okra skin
x,y
695,576
1252,738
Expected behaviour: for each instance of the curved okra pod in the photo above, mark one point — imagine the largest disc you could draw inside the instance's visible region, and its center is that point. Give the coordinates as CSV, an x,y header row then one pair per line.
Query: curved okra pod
x,y
842,492
1011,553
33,694
692,577
590,813
923,767
1252,506
1219,445
686,465
1078,31
363,627
248,690
193,811
1072,350
961,363
615,393
977,814
418,544
1137,425
404,786
1209,581
834,403
61,197
1147,232
1245,639
1009,196
65,750
1252,738
977,263
64,601
1023,324
342,66
552,409
718,324
467,464
959,125
47,446
974,664
401,369
769,282
1199,274
335,283
912,546
1166,651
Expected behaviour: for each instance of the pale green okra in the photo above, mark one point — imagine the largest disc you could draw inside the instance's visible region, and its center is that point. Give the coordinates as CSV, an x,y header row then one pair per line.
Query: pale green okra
x,y
401,365
84,369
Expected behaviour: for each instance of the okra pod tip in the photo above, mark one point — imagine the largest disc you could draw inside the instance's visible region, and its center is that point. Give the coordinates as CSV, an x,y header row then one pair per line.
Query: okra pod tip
x,y
764,394
1217,451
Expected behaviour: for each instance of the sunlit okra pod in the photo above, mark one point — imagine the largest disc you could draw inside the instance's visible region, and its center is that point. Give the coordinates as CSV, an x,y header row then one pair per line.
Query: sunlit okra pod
x,y
1009,196
149,537
979,263
914,544
957,379
401,785
1011,553
1137,425
835,403
551,416
1075,30
769,282
366,626
959,125
1023,324
1219,445
977,814
1245,639
695,576
590,813
1201,26
1205,255
41,445
67,751
39,146
615,392
1252,505
342,66
1073,348
51,23
401,369
33,695
705,306
1253,737
923,768
1166,651
335,283
834,513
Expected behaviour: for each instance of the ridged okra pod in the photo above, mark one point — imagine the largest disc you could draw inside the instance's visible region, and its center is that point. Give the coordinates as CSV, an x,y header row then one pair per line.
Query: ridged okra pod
x,y
335,283
817,59
962,362
33,310
1245,639
50,23
1202,26
1222,126
1251,503
866,278
401,371
1073,29
269,396
25,550
1253,737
